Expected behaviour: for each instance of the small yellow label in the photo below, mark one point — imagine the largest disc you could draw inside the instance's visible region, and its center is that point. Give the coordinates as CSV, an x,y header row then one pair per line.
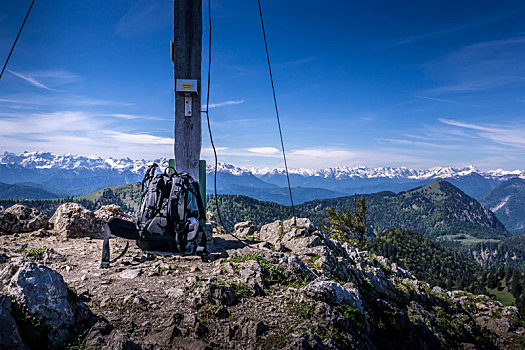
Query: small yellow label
x,y
187,86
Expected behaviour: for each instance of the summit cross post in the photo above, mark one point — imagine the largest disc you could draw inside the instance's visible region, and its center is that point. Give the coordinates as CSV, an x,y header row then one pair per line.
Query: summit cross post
x,y
186,54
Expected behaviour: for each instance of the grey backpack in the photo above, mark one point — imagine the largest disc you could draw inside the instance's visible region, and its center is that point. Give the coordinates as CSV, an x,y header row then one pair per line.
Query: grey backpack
x,y
171,209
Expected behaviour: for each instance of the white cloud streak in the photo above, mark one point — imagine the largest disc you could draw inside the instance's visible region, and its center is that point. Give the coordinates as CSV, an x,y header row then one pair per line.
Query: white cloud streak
x,y
435,99
510,135
31,80
222,104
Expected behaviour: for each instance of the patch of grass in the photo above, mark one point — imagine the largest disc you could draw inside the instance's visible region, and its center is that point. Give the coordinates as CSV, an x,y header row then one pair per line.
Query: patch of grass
x,y
163,269
352,316
315,258
241,289
35,253
209,309
504,296
335,334
272,275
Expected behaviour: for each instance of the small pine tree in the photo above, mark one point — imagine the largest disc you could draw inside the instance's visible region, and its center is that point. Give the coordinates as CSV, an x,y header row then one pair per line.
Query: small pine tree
x,y
349,226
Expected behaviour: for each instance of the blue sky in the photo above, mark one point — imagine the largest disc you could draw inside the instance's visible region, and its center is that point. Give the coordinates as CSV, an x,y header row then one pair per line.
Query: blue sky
x,y
422,84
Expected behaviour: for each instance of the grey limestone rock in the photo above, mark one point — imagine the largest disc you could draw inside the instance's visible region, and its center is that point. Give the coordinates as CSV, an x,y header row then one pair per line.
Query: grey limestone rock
x,y
71,220
44,294
20,218
245,229
334,294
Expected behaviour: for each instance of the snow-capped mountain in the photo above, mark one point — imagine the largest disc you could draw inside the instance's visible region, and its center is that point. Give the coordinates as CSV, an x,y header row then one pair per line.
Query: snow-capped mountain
x,y
74,174
389,172
47,160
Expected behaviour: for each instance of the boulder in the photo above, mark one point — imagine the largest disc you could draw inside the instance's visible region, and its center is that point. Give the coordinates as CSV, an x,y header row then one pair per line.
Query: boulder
x,y
334,294
245,229
296,235
251,274
20,218
7,221
9,333
42,293
105,213
72,220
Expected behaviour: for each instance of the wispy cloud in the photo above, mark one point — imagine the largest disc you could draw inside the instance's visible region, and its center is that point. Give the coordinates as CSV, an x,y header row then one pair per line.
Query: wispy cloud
x,y
30,99
441,33
297,62
264,150
435,99
131,117
316,157
31,80
78,132
143,17
481,66
510,135
47,79
418,143
225,103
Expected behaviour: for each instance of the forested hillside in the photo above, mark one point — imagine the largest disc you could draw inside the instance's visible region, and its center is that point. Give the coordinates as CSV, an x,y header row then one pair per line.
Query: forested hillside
x,y
437,209
441,266
426,259
24,190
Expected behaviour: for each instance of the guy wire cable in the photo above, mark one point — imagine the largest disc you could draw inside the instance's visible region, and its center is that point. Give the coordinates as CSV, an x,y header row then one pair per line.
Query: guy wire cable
x,y
209,130
18,35
276,109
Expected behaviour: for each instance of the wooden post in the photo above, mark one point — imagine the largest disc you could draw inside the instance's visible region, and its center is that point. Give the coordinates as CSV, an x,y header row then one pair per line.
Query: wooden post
x,y
186,56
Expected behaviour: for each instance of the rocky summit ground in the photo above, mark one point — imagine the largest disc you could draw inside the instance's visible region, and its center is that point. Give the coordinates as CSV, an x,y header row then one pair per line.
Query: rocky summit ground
x,y
285,285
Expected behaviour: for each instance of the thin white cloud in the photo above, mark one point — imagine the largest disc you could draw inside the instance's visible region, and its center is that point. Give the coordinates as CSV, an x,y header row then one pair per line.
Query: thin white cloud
x,y
59,99
222,104
510,135
140,139
143,17
441,33
418,143
435,99
31,80
264,150
481,66
131,116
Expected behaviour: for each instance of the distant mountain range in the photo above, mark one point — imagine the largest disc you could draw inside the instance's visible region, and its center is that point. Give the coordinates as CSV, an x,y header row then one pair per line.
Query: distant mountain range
x,y
65,175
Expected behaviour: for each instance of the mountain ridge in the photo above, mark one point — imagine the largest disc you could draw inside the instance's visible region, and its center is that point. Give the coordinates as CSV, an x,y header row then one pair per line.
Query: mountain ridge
x,y
48,160
72,175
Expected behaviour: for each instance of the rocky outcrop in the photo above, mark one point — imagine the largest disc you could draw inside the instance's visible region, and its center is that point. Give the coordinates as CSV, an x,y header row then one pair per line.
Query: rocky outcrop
x,y
245,229
289,287
72,220
105,213
40,293
20,218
